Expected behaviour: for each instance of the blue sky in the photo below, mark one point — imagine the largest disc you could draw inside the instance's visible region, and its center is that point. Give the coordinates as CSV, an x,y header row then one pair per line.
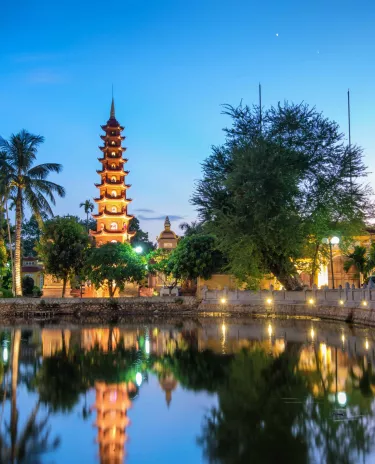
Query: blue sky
x,y
172,64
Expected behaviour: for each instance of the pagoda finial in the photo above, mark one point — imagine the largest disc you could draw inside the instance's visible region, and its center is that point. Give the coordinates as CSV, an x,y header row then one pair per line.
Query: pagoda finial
x,y
112,115
167,223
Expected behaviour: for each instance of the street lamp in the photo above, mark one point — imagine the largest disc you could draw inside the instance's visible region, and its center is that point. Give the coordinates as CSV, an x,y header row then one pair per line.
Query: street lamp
x,y
138,249
331,241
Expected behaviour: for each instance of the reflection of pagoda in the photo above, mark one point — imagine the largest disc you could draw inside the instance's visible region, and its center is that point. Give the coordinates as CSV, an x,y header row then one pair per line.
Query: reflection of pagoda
x,y
112,403
168,383
112,218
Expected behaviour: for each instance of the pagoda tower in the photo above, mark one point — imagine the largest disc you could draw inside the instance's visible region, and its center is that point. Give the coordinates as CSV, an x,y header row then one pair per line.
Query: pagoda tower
x,y
112,219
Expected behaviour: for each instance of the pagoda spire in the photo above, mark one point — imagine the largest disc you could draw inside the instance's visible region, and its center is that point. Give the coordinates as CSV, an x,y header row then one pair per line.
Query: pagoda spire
x,y
112,115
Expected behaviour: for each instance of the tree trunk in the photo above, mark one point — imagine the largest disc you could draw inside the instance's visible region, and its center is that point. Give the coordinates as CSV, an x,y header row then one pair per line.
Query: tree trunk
x,y
287,280
18,257
10,248
110,288
87,222
14,412
64,287
314,267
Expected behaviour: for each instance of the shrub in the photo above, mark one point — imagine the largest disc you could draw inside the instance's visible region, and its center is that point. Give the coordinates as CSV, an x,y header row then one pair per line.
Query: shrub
x,y
37,291
6,293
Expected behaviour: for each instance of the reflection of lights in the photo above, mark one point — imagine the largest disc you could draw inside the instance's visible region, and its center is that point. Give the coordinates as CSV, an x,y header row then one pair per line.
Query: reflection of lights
x,y
311,301
269,301
223,300
367,345
223,329
138,379
270,331
147,346
364,303
341,302
343,338
5,354
341,398
323,349
312,333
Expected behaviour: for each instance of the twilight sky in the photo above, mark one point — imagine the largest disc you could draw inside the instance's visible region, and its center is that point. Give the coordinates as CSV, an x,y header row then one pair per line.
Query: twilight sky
x,y
172,64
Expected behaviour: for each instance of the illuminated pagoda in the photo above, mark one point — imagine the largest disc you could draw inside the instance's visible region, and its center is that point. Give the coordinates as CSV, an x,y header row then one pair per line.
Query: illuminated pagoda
x,y
112,403
112,219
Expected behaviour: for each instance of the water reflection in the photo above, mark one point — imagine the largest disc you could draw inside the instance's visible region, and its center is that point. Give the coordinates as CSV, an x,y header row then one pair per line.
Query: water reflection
x,y
284,391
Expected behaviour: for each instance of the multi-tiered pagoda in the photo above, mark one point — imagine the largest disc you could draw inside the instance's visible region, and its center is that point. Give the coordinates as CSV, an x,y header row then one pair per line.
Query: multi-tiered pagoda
x,y
112,220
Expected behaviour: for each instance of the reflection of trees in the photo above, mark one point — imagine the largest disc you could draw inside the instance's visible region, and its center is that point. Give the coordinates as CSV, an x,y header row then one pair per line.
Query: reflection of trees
x,y
27,444
267,413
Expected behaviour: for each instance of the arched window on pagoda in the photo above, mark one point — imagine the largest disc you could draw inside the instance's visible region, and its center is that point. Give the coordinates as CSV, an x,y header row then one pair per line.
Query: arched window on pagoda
x,y
114,194
114,209
113,153
113,179
113,225
113,166
113,143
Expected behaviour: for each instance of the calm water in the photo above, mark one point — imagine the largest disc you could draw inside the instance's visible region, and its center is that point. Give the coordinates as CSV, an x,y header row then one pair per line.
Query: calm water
x,y
257,391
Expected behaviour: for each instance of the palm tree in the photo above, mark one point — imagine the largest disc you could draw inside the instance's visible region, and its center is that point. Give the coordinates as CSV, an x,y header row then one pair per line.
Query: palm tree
x,y
88,207
27,185
358,259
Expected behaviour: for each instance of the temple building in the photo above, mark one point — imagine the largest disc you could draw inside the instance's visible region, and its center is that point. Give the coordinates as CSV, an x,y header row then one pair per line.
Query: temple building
x,y
112,218
167,238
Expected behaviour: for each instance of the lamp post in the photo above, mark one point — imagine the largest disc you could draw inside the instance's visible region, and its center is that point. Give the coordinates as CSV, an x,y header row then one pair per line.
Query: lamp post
x,y
331,241
138,249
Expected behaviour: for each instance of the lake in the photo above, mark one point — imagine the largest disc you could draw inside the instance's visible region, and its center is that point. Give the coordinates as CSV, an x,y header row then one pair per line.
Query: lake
x,y
205,390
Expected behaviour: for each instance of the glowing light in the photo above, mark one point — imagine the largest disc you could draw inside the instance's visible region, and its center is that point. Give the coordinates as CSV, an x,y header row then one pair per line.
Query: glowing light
x,y
223,300
343,338
311,301
341,302
335,240
364,303
323,348
341,398
138,249
312,333
147,346
367,345
138,379
5,354
270,330
269,300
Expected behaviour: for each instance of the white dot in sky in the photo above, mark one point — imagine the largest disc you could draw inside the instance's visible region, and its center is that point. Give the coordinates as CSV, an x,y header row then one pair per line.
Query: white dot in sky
x,y
277,34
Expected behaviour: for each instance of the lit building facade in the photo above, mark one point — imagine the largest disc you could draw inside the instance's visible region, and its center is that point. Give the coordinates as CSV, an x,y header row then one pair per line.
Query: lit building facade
x,y
112,218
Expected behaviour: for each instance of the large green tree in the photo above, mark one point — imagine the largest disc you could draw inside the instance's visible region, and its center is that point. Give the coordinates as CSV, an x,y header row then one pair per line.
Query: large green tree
x,y
140,238
63,248
113,265
27,185
277,187
196,256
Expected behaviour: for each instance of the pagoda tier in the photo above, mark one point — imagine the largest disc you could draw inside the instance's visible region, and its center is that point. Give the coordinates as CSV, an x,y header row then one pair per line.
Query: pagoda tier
x,y
112,219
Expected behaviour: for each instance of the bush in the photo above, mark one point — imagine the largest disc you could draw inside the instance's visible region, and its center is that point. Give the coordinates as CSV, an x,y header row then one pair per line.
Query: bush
x,y
27,285
6,293
37,291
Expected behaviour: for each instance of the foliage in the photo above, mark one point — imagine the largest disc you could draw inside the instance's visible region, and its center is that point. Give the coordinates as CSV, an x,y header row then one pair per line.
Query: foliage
x,y
115,264
196,256
31,232
27,185
277,186
140,238
362,259
159,263
37,291
27,285
63,248
88,207
193,228
6,293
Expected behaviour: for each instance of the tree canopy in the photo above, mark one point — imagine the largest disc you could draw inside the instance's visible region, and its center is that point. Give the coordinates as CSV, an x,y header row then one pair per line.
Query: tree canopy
x,y
113,265
63,248
277,187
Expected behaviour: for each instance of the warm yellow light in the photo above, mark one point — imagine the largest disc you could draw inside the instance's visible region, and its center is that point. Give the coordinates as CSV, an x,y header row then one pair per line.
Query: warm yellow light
x,y
223,300
311,301
343,338
269,300
223,329
341,302
366,345
312,333
270,331
323,349
364,303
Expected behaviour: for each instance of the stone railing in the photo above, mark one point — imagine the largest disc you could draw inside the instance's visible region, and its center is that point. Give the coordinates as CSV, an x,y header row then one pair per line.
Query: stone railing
x,y
348,296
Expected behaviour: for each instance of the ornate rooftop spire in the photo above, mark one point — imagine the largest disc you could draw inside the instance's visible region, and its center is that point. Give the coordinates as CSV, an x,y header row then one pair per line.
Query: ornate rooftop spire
x,y
167,223
112,115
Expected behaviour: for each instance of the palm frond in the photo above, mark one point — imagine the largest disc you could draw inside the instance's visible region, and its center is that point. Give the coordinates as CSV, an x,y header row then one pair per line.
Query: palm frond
x,y
42,170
